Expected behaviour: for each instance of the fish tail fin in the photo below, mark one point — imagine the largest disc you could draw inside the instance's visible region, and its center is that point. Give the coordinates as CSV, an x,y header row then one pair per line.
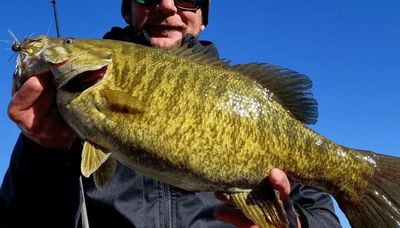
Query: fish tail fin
x,y
380,205
261,205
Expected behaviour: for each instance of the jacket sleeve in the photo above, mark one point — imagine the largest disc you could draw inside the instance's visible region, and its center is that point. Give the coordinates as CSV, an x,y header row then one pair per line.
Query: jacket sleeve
x,y
41,186
315,208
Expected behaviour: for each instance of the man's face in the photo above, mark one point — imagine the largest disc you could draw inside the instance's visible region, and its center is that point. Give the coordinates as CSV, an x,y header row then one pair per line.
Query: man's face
x,y
165,24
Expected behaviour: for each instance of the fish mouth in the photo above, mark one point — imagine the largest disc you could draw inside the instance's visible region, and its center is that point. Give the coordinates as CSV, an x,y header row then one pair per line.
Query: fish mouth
x,y
85,80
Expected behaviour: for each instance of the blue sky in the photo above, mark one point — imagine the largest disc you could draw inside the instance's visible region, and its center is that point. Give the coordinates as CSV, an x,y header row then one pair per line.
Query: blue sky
x,y
349,48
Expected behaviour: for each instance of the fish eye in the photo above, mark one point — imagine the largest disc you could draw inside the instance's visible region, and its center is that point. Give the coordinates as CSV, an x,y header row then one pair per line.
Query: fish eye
x,y
68,41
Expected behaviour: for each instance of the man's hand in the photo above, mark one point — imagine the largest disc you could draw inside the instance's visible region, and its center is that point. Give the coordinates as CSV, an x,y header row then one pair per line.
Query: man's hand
x,y
33,109
234,216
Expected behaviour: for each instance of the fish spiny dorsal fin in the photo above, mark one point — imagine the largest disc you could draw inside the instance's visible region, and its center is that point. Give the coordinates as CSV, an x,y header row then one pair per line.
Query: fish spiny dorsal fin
x,y
290,88
199,53
92,158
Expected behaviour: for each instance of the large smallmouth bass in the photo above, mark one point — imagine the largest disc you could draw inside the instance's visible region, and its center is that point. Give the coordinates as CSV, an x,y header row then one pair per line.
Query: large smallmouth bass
x,y
197,123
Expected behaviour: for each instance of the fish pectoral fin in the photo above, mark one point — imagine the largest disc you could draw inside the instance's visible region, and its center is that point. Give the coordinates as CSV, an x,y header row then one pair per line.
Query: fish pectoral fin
x,y
119,101
104,173
92,158
261,205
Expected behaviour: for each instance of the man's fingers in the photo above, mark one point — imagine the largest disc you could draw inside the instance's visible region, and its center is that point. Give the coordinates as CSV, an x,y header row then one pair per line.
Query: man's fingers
x,y
56,124
27,95
233,216
45,103
280,182
31,103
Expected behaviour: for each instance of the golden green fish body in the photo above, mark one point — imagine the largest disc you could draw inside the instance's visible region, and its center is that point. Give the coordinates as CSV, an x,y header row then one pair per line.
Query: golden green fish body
x,y
194,125
215,125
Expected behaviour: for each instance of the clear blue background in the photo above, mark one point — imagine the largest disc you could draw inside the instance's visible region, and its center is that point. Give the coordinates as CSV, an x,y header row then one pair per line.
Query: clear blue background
x,y
349,48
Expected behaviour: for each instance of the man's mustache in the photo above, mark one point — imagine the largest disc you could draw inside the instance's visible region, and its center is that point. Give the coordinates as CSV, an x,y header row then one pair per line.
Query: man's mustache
x,y
166,23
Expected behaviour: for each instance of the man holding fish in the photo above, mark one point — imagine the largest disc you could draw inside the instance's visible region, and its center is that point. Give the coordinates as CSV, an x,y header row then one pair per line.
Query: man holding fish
x,y
44,169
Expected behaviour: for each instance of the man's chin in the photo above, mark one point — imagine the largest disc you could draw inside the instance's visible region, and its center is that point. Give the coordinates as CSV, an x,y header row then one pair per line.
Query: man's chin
x,y
166,42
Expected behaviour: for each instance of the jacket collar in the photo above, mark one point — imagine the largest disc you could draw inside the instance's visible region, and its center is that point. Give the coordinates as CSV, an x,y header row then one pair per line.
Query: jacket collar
x,y
140,36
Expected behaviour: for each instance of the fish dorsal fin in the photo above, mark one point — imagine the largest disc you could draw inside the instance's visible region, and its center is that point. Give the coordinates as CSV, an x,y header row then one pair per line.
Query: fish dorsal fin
x,y
104,173
199,53
92,158
290,88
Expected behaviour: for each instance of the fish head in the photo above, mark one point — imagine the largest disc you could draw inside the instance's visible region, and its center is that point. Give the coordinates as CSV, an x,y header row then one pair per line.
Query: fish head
x,y
79,61
73,65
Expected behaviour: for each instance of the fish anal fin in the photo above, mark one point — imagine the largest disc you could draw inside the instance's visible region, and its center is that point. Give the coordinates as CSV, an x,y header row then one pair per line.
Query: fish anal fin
x,y
121,102
290,88
104,173
262,205
92,158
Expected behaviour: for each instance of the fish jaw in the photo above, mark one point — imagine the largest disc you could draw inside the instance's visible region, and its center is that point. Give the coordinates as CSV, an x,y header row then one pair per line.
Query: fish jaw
x,y
30,60
35,59
30,66
69,77
64,58
69,63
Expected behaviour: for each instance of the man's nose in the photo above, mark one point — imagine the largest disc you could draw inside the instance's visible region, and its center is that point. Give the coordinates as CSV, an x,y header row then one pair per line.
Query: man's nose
x,y
167,6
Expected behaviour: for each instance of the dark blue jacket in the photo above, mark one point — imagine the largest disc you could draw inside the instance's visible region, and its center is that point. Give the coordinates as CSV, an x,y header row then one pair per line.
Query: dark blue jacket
x,y
41,188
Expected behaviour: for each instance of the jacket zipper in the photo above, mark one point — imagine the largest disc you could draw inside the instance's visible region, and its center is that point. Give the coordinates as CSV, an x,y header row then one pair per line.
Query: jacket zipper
x,y
166,204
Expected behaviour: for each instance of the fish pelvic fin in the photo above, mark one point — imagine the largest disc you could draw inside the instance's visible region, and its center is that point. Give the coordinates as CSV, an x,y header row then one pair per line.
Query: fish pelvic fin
x,y
92,158
380,205
95,161
261,205
104,173
121,102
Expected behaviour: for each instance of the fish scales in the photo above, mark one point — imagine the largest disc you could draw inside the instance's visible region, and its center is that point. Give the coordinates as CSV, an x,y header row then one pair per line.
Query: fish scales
x,y
205,127
177,138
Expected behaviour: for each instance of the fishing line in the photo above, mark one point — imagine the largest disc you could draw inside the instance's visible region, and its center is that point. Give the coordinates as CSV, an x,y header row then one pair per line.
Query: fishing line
x,y
53,2
48,29
84,215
